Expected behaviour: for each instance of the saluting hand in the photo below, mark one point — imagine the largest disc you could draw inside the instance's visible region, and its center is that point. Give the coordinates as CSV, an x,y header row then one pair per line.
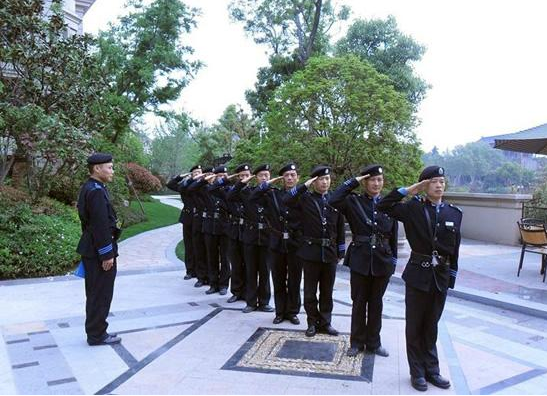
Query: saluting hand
x,y
310,181
232,176
359,178
108,264
247,179
417,188
210,177
271,181
183,175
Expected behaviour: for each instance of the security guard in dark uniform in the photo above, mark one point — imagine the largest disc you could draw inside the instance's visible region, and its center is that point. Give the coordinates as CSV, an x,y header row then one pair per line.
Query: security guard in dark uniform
x,y
255,242
433,232
321,245
234,231
215,221
372,256
285,266
198,238
98,247
186,218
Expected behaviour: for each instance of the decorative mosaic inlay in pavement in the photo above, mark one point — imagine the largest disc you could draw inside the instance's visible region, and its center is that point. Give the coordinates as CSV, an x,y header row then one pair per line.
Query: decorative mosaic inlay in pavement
x,y
290,352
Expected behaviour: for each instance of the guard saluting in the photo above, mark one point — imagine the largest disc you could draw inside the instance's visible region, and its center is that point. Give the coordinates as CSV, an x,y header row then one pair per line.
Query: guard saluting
x,y
186,217
321,245
98,248
372,256
433,231
286,267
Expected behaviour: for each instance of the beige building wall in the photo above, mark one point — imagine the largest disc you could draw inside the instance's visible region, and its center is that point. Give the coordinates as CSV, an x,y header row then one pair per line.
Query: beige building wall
x,y
490,217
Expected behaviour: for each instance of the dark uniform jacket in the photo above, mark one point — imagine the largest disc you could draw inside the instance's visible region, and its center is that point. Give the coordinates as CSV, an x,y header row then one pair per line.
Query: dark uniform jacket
x,y
373,250
234,228
215,213
98,218
255,228
197,204
441,233
187,212
283,224
321,226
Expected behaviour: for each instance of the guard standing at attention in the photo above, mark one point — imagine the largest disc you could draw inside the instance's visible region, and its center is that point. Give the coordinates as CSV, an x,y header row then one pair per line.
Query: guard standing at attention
x,y
371,256
432,228
98,247
321,245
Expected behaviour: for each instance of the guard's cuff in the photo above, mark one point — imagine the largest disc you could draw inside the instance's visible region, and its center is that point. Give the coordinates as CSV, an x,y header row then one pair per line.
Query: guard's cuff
x,y
403,191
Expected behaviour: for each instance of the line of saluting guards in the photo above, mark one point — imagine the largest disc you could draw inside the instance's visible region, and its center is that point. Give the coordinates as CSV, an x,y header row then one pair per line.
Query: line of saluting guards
x,y
235,231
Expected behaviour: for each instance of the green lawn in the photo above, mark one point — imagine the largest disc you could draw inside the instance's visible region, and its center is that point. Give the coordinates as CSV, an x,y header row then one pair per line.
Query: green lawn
x,y
179,250
157,214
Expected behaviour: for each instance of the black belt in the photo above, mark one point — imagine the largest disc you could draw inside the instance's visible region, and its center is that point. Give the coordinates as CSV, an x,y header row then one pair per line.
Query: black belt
x,y
258,226
427,260
372,239
325,242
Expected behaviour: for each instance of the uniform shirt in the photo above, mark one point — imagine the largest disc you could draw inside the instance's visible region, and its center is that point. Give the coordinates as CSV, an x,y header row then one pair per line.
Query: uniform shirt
x,y
198,206
98,220
255,228
379,257
445,225
283,225
215,216
325,223
187,212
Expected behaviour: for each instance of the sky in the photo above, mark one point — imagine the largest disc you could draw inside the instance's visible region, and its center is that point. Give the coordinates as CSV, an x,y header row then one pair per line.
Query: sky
x,y
485,60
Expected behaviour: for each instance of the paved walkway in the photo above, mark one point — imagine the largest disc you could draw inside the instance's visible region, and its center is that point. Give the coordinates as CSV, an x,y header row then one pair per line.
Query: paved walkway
x,y
178,340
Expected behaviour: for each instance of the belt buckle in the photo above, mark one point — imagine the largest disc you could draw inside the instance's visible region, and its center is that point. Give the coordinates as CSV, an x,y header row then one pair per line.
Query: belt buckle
x,y
285,235
325,242
204,215
241,221
216,215
373,239
260,226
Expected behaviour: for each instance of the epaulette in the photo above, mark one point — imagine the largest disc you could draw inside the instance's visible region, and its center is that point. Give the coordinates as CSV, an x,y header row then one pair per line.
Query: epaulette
x,y
96,186
455,207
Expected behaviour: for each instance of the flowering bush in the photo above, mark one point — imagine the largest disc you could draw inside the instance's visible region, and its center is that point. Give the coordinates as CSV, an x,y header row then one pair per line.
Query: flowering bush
x,y
143,180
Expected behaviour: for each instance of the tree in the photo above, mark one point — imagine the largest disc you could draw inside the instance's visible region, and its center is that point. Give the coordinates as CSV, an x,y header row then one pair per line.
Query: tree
x,y
338,111
391,52
173,150
50,94
144,60
294,30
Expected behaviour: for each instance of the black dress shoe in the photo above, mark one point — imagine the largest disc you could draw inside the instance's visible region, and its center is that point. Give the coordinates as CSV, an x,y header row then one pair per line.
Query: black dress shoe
x,y
108,340
265,308
353,351
248,308
380,351
418,383
278,319
293,319
212,290
223,291
233,299
328,329
311,331
198,284
438,380
188,276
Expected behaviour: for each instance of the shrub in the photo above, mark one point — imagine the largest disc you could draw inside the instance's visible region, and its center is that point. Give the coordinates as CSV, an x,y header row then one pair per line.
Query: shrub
x,y
143,180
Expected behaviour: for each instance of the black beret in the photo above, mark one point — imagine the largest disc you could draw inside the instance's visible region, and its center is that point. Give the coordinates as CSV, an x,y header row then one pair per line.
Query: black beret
x,y
208,169
289,167
242,167
193,168
320,170
372,170
99,158
220,169
265,167
431,171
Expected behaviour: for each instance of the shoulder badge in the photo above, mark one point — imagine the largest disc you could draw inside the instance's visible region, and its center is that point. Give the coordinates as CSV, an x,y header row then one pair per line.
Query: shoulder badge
x,y
455,207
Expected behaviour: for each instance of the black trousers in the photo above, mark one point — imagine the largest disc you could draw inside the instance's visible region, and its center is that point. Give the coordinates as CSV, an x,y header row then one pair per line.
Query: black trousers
x,y
235,255
199,255
256,266
366,310
99,288
217,260
423,311
286,276
188,249
322,275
